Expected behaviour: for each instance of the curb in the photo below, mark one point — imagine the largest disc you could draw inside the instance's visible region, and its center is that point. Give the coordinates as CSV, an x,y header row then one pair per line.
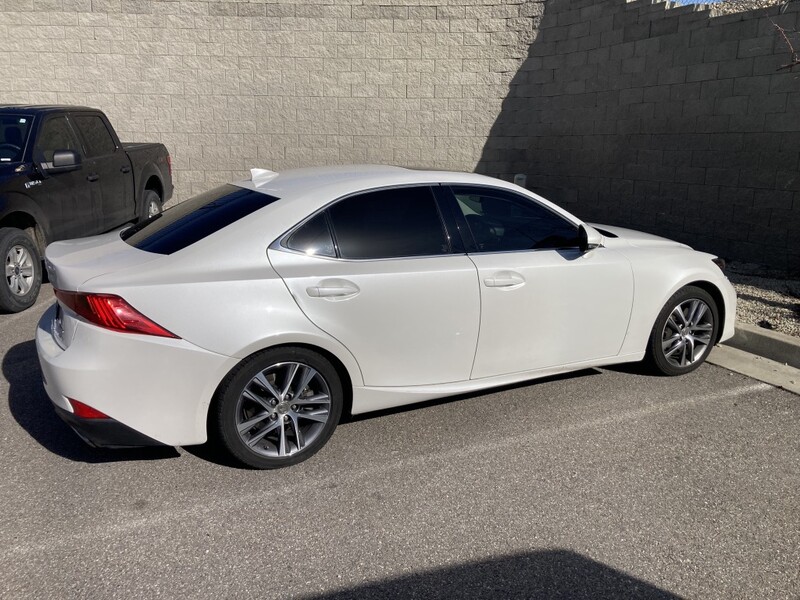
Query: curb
x,y
776,346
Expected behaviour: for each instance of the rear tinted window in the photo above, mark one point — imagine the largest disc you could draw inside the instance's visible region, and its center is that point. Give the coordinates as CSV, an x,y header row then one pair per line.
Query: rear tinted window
x,y
389,224
96,136
195,219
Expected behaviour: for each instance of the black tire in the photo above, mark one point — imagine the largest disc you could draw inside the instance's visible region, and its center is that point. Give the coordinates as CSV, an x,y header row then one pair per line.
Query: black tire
x,y
275,419
151,205
684,332
23,270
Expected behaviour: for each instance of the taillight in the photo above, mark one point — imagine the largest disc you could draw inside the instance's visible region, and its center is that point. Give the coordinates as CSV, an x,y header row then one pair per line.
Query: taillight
x,y
169,164
111,312
85,411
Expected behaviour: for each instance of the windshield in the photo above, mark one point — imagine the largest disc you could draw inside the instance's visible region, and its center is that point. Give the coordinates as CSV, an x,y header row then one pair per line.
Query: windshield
x,y
13,136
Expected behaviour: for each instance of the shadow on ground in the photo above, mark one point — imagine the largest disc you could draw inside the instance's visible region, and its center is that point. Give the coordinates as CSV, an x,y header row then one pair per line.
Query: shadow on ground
x,y
543,574
32,409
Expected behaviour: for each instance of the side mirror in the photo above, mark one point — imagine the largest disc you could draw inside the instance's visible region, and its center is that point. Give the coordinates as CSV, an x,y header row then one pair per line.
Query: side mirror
x,y
588,238
63,161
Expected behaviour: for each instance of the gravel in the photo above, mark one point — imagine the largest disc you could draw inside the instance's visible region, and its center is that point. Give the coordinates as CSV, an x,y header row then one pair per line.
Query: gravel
x,y
768,302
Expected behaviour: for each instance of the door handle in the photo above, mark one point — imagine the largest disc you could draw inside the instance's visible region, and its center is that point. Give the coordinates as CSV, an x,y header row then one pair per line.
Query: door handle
x,y
333,288
505,279
92,177
125,169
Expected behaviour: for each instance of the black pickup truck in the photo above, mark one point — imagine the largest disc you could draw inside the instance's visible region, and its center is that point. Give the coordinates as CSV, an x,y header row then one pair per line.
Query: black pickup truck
x,y
65,174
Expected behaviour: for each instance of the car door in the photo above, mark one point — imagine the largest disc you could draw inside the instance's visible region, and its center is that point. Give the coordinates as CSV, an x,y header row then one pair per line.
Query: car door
x,y
108,169
543,302
377,271
66,196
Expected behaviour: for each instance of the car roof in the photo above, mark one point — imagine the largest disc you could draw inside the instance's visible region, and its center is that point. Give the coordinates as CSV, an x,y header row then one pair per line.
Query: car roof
x,y
42,108
295,183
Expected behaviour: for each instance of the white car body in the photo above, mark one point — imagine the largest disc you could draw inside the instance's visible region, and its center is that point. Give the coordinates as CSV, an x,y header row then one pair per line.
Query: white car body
x,y
408,329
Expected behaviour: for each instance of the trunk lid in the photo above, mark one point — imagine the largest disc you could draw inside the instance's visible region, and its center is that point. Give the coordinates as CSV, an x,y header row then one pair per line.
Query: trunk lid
x,y
73,262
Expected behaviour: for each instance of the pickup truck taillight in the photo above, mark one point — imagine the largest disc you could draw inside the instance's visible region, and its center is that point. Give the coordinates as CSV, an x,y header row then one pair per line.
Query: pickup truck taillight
x,y
111,312
169,164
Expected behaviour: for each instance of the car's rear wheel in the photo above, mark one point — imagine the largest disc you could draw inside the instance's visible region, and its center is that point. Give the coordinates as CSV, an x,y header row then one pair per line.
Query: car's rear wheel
x,y
278,408
23,270
684,332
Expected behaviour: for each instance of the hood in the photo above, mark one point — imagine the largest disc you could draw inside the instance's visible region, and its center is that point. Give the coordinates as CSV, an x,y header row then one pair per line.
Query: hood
x,y
634,238
72,263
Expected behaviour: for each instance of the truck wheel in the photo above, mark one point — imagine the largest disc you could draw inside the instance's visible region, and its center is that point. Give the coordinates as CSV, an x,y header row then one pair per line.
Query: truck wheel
x,y
23,270
151,205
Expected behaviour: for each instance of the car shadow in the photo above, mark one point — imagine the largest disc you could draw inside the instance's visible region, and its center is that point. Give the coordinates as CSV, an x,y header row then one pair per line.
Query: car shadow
x,y
32,409
552,573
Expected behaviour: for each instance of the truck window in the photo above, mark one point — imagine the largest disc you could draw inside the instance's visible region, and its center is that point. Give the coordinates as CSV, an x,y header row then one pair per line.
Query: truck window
x,y
95,134
55,135
13,135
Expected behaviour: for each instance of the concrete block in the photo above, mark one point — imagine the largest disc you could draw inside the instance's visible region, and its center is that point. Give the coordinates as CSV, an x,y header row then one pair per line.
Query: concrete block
x,y
747,123
756,46
721,52
782,122
785,81
772,103
756,177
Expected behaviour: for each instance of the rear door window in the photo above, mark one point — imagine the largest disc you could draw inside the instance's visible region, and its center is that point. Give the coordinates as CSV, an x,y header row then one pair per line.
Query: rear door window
x,y
95,135
195,219
391,223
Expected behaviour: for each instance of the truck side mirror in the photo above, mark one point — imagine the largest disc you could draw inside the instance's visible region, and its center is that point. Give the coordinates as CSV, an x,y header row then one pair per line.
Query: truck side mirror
x,y
63,161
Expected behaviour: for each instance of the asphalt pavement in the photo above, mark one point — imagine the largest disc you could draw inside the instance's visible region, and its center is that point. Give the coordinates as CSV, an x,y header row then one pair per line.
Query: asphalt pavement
x,y
602,484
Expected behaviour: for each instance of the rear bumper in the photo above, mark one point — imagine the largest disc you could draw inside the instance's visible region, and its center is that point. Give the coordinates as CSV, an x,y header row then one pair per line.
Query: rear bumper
x,y
105,433
155,390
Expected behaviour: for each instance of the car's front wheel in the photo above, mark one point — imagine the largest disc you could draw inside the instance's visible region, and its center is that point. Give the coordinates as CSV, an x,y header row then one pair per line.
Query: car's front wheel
x,y
23,270
684,332
278,408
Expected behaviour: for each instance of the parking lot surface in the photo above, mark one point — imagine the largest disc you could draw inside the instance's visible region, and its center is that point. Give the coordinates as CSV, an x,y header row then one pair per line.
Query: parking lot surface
x,y
604,483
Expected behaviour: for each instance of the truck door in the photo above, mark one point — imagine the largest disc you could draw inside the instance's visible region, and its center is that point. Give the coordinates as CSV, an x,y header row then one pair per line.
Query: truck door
x,y
109,169
65,197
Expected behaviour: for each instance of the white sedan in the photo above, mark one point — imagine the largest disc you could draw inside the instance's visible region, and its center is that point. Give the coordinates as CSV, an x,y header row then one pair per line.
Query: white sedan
x,y
255,314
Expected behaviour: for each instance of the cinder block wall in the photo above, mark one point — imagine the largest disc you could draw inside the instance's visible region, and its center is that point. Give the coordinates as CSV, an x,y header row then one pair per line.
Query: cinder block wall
x,y
665,119
276,84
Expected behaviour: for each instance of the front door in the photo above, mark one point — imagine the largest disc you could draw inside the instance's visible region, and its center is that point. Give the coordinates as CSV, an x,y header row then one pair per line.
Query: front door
x,y
68,196
544,303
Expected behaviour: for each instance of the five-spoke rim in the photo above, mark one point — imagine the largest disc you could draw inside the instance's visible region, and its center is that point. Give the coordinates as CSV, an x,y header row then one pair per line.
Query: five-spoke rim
x,y
283,409
19,270
153,208
687,333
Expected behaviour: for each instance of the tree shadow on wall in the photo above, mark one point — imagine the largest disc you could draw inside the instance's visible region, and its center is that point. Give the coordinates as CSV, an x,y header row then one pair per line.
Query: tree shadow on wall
x,y
542,574
633,114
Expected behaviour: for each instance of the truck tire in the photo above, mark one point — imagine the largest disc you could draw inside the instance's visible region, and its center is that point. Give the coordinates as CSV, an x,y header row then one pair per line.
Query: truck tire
x,y
151,205
23,270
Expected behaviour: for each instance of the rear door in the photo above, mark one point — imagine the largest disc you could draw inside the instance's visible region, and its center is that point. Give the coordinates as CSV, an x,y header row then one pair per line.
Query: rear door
x,y
108,169
377,271
544,303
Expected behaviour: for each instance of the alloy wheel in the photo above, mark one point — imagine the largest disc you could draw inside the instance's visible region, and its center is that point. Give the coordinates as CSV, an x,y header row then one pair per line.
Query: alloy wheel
x,y
686,336
283,409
